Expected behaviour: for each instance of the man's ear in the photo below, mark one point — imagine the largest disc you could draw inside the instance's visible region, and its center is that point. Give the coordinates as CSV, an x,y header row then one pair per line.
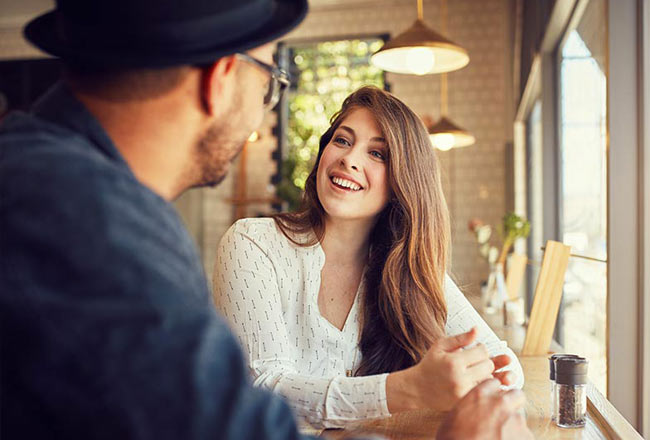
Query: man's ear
x,y
215,81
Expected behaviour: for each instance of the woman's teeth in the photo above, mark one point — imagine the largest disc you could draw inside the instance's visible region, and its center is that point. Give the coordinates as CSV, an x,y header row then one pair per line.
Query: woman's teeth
x,y
346,183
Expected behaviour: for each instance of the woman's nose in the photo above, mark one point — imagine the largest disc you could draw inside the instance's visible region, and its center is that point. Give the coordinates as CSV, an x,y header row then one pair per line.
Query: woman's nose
x,y
347,163
350,159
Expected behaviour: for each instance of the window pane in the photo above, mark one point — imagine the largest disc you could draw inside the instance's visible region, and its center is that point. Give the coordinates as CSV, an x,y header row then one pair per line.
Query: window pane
x,y
583,152
535,196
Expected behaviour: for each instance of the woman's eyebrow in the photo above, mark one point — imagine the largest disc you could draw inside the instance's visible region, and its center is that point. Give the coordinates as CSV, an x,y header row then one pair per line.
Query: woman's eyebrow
x,y
351,131
348,129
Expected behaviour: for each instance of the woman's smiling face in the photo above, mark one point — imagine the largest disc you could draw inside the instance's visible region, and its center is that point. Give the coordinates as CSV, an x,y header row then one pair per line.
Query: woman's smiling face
x,y
352,176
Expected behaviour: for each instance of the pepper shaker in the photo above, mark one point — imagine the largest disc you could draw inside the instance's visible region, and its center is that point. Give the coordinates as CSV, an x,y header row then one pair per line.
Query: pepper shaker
x,y
551,364
571,391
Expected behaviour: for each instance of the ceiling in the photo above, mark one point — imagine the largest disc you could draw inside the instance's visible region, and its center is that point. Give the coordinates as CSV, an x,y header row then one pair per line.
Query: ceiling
x,y
28,8
327,4
22,9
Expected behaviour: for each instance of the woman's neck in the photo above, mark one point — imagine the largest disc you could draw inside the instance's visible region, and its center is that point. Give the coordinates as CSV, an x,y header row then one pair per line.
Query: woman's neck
x,y
347,241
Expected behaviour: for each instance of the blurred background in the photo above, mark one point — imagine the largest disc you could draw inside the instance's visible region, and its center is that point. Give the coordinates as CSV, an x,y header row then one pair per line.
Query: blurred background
x,y
550,101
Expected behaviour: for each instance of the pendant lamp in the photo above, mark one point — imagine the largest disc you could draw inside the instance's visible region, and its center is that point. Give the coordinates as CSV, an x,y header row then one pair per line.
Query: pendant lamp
x,y
420,50
445,134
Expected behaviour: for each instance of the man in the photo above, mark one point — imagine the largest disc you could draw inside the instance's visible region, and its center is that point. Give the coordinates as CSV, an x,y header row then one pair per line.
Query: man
x,y
486,413
107,326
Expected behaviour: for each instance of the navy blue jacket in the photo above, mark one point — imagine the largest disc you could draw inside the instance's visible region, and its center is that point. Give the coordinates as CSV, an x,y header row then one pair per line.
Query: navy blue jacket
x,y
106,321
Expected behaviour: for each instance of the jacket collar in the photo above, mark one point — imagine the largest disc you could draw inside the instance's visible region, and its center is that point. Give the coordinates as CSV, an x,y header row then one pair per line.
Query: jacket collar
x,y
59,106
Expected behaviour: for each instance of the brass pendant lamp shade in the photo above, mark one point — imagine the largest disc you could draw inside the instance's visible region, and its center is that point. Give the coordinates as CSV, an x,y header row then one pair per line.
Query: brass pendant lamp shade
x,y
420,50
446,135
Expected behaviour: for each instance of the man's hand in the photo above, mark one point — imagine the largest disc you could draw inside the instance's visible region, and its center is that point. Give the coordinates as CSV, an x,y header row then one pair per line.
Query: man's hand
x,y
487,413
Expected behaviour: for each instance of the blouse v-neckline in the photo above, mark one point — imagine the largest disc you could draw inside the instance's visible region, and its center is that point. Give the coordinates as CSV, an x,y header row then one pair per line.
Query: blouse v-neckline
x,y
314,296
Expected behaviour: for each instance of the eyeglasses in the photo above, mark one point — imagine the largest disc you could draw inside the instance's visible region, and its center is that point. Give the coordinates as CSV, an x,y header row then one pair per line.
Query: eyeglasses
x,y
278,84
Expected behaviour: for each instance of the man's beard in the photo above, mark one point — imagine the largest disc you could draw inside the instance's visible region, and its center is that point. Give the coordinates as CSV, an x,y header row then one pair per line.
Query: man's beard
x,y
217,148
213,155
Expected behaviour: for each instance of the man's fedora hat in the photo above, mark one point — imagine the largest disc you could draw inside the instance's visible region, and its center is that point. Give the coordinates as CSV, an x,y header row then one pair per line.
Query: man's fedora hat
x,y
160,33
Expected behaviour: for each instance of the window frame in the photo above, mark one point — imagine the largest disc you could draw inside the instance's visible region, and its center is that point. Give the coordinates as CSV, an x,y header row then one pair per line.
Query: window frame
x,y
644,188
572,25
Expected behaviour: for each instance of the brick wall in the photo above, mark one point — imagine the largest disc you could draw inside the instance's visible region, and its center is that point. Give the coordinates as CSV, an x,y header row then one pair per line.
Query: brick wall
x,y
479,100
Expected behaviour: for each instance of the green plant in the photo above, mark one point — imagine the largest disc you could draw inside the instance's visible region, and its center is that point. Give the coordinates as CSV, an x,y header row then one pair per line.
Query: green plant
x,y
287,190
513,227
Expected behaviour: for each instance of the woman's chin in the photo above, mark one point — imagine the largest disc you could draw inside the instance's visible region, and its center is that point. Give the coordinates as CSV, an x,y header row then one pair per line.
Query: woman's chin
x,y
347,214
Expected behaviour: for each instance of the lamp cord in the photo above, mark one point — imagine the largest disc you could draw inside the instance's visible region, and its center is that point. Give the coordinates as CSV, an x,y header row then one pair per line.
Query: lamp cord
x,y
444,106
443,77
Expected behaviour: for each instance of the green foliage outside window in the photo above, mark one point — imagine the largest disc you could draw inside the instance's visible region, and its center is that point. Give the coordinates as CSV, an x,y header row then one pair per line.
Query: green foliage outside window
x,y
326,73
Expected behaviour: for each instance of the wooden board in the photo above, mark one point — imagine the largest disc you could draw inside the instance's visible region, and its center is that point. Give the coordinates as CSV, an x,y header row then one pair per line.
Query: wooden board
x,y
546,302
616,426
516,272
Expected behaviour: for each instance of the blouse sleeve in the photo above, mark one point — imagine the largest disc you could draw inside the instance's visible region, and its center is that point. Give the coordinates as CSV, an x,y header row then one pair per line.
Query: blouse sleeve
x,y
246,290
461,316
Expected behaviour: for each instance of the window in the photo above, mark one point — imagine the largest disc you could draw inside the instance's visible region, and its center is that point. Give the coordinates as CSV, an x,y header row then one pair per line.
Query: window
x,y
535,205
583,189
323,74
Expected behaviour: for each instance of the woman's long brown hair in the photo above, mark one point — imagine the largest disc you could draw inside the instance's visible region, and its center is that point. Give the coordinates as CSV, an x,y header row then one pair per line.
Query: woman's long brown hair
x,y
404,307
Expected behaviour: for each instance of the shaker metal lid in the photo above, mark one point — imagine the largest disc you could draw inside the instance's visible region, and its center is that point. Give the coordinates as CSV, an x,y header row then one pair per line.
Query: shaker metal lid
x,y
553,358
571,370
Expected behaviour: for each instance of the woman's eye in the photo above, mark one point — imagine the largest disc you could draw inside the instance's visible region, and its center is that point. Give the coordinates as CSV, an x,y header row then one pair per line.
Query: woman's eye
x,y
378,154
342,141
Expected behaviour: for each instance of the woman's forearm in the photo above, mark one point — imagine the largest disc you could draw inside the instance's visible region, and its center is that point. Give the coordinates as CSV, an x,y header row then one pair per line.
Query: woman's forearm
x,y
401,392
327,402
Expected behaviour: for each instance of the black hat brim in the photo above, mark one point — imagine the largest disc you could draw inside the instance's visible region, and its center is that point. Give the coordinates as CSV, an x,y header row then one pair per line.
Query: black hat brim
x,y
45,33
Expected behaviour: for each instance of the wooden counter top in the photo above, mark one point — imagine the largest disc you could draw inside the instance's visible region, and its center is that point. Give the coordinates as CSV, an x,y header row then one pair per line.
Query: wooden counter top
x,y
603,421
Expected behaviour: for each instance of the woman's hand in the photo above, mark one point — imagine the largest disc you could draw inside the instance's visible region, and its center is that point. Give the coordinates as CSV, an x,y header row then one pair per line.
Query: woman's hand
x,y
444,375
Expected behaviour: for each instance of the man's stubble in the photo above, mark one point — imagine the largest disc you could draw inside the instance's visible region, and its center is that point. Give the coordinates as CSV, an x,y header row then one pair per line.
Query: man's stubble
x,y
218,148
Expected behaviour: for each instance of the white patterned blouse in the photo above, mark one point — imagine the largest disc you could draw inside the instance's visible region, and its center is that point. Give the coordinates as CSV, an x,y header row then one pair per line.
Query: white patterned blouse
x,y
267,289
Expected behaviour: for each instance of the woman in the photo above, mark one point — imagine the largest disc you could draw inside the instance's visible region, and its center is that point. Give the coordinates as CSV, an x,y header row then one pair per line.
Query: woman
x,y
344,306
